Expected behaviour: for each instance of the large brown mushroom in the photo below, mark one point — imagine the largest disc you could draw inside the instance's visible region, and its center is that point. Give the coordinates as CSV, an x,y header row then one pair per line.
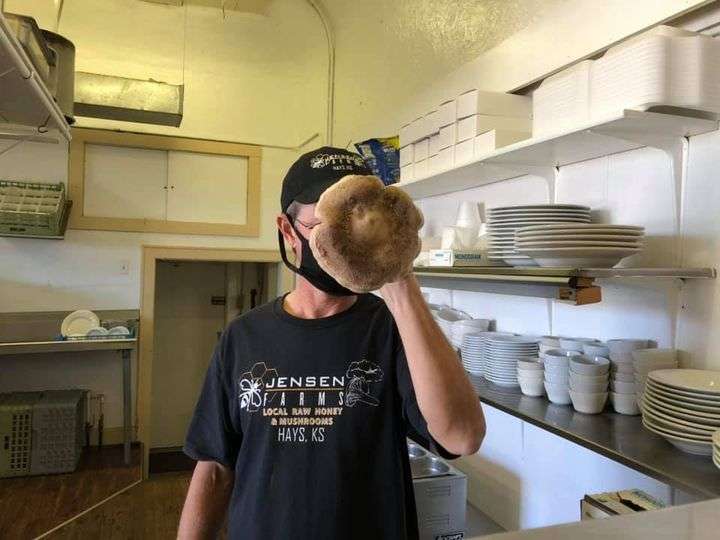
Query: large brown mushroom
x,y
368,235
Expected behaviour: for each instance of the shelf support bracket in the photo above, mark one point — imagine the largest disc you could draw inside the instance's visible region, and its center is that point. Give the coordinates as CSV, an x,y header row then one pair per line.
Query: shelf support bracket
x,y
505,171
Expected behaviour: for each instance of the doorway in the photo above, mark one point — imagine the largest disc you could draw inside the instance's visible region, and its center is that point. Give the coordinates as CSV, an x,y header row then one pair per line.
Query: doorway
x,y
189,295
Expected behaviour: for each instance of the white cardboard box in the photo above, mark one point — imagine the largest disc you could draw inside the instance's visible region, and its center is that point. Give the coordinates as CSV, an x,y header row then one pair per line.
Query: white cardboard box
x,y
406,173
417,128
421,169
469,127
405,135
429,124
420,150
434,144
434,164
490,141
446,114
493,103
446,158
447,136
464,152
406,154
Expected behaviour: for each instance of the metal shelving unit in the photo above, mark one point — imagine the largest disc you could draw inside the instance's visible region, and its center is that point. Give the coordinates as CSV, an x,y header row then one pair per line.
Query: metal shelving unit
x,y
574,285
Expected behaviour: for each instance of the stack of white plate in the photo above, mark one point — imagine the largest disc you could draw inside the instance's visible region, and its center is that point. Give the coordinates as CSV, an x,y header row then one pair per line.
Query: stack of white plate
x,y
501,355
591,245
458,329
446,317
504,221
472,349
683,406
716,448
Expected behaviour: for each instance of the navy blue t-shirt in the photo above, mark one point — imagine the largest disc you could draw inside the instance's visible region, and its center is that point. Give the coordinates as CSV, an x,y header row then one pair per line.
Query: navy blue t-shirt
x,y
312,415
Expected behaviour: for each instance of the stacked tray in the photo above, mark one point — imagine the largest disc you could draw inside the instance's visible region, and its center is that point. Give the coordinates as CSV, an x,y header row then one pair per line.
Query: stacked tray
x,y
683,406
504,221
579,245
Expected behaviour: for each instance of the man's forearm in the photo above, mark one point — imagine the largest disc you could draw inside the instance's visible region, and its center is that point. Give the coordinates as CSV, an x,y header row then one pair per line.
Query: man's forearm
x,y
444,394
206,502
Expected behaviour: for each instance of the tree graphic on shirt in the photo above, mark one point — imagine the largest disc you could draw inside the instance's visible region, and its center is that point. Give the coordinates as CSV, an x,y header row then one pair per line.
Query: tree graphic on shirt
x,y
360,375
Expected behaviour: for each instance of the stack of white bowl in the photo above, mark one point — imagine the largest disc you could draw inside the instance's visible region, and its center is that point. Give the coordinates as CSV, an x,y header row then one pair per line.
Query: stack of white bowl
x,y
472,349
579,245
622,385
446,317
578,344
647,360
530,374
557,368
716,448
458,329
504,221
622,373
683,406
589,383
501,355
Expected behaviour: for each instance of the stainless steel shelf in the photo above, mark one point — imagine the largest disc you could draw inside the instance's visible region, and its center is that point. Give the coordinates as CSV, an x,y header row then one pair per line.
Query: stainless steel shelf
x,y
37,347
576,285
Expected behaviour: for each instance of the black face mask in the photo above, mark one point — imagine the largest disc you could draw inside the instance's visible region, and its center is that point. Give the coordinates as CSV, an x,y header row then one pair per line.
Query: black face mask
x,y
310,269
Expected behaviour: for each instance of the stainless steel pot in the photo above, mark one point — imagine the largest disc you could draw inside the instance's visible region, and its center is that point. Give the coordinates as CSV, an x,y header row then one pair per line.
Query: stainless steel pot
x,y
62,75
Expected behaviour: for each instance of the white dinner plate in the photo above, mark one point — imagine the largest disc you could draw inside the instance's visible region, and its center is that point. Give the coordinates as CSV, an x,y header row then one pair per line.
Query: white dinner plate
x,y
79,322
594,227
579,257
704,399
690,446
680,412
538,207
686,403
692,380
579,236
575,243
677,424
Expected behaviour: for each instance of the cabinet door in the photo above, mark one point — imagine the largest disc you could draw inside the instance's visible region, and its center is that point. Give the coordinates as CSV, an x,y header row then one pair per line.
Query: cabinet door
x,y
124,182
207,188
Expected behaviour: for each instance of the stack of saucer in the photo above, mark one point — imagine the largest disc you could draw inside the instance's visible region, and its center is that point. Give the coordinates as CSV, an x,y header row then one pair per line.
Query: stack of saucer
x,y
501,355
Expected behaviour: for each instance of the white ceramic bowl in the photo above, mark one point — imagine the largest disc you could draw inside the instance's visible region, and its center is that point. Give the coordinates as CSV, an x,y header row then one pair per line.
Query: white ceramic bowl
x,y
550,342
557,357
532,388
623,377
589,365
531,364
624,403
533,375
588,403
575,343
620,387
587,387
623,367
620,349
556,378
557,393
603,377
592,349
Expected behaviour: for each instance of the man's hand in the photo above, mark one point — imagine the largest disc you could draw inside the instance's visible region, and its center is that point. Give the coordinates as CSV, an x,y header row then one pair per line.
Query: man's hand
x,y
444,394
207,501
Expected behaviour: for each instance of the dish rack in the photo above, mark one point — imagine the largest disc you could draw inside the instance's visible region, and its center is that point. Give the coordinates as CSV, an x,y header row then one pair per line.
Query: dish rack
x,y
130,324
31,208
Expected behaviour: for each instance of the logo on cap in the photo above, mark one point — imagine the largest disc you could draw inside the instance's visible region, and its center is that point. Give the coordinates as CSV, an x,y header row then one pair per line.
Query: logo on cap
x,y
337,161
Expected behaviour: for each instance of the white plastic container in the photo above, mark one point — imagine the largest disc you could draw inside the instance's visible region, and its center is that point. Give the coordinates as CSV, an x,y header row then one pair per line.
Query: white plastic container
x,y
446,114
488,142
447,136
464,152
421,169
493,103
470,127
562,101
446,159
434,144
665,67
420,150
406,155
406,173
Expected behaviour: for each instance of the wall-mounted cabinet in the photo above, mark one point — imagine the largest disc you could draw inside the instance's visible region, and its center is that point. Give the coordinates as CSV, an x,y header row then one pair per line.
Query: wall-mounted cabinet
x,y
151,183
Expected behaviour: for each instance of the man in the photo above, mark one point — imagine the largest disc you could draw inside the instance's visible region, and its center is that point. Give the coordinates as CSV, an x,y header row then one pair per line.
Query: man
x,y
301,425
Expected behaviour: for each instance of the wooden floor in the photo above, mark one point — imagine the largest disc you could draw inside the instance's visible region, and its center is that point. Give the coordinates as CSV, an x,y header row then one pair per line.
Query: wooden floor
x,y
148,511
32,505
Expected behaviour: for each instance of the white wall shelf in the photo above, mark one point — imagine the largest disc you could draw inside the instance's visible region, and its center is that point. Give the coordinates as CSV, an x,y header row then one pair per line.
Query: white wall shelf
x,y
24,98
574,285
543,155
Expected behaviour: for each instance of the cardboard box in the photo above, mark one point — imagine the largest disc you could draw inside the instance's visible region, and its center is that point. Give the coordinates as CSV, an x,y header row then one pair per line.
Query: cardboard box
x,y
420,169
434,144
420,150
470,127
406,155
406,173
447,136
493,103
446,158
490,141
464,152
447,114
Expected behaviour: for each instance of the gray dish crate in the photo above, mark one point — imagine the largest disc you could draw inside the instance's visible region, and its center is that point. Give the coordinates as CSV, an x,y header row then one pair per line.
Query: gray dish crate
x,y
16,412
31,207
41,432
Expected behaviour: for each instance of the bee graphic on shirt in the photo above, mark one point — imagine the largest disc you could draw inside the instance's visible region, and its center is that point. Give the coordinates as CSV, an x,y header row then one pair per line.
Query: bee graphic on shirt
x,y
360,375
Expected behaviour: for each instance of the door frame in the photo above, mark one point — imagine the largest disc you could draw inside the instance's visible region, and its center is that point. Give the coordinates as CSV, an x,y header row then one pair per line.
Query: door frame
x,y
151,254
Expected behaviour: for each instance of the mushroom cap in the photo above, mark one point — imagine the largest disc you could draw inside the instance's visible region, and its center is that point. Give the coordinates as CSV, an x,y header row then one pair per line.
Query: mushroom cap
x,y
368,233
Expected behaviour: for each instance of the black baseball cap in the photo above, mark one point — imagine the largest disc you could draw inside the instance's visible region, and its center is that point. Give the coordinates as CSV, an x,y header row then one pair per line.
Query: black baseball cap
x,y
316,171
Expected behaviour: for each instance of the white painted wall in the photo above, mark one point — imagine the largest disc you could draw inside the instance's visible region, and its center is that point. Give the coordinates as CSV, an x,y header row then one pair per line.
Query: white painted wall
x,y
249,78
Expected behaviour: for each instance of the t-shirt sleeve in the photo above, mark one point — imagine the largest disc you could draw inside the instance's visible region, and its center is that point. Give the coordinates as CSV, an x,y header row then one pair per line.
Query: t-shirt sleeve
x,y
211,436
414,420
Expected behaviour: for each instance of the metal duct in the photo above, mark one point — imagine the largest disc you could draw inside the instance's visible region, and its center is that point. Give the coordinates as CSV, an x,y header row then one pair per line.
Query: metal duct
x,y
128,100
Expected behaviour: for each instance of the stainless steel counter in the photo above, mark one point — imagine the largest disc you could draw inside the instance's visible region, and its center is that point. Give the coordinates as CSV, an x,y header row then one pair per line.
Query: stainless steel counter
x,y
618,437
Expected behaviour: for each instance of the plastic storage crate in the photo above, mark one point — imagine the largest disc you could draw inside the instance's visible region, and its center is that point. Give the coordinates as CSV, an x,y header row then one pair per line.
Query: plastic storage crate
x,y
57,431
16,413
31,208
